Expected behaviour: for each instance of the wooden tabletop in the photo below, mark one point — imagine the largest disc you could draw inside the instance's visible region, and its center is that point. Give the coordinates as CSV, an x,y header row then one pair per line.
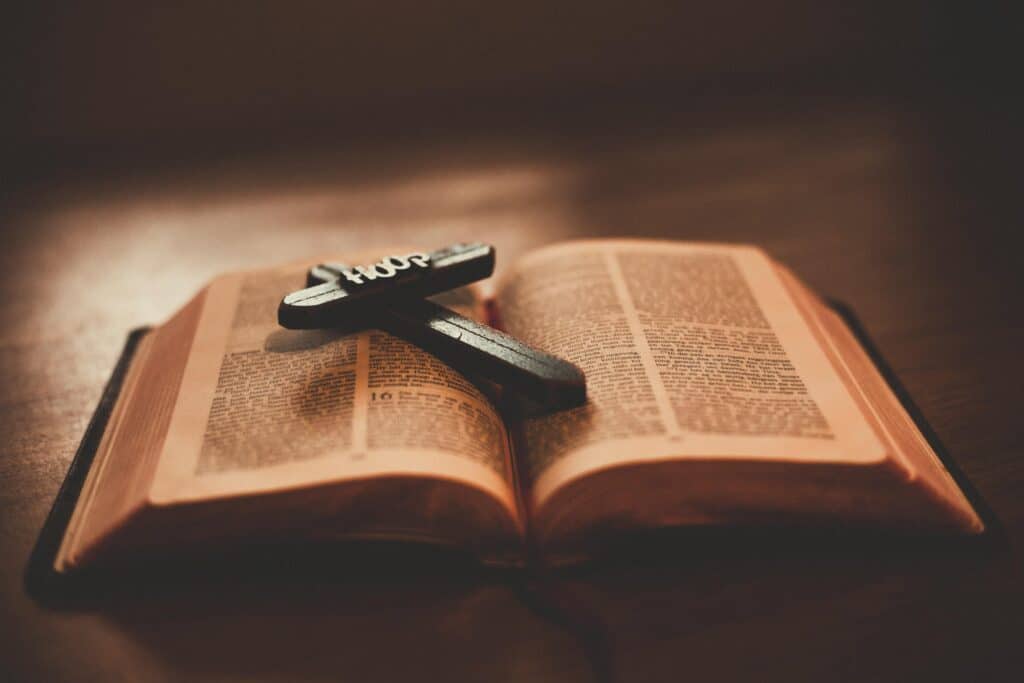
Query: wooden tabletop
x,y
906,211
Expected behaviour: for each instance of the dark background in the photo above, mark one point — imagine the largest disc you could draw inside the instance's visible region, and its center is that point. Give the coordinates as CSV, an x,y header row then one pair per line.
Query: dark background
x,y
122,84
873,147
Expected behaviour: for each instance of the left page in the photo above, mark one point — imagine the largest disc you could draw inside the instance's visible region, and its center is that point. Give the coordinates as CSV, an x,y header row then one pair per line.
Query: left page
x,y
357,427
262,407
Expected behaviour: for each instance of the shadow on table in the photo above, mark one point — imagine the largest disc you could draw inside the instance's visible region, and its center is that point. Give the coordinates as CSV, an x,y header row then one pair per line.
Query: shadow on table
x,y
372,611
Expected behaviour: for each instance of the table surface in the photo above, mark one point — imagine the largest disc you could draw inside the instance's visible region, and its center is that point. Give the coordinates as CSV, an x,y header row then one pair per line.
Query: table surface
x,y
904,213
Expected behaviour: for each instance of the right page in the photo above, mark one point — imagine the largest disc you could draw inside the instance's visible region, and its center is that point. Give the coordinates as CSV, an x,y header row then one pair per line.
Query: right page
x,y
695,354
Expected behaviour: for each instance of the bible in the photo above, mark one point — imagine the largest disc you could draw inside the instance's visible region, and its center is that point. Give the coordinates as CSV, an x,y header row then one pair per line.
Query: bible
x,y
721,392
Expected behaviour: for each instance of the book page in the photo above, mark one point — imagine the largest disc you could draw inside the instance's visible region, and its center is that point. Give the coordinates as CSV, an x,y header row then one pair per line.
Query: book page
x,y
263,408
690,350
128,454
895,427
120,497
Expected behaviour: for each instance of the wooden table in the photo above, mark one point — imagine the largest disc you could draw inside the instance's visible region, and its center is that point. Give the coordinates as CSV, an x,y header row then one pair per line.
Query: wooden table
x,y
904,210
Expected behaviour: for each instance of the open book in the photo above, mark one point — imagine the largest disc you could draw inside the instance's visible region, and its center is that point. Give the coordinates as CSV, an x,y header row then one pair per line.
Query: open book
x,y
721,392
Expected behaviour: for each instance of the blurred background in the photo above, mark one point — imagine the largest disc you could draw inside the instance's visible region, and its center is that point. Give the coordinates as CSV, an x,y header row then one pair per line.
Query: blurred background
x,y
194,137
111,86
